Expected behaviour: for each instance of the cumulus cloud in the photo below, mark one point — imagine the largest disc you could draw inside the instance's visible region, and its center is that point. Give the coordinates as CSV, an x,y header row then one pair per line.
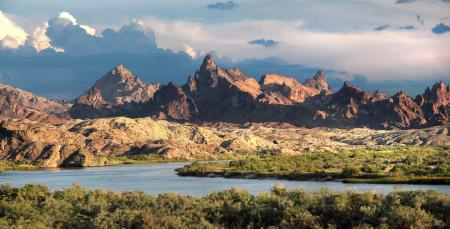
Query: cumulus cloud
x,y
11,35
440,28
64,32
190,51
229,5
269,43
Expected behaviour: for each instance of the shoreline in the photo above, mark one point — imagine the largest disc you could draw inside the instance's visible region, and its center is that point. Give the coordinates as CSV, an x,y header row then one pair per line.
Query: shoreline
x,y
432,180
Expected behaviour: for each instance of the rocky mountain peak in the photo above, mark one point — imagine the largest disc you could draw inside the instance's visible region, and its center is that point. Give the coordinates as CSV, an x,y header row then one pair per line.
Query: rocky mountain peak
x,y
208,64
348,93
319,81
350,88
119,86
120,72
439,94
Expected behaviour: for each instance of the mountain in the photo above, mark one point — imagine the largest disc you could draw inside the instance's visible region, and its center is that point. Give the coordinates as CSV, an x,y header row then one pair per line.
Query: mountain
x,y
116,88
16,103
214,94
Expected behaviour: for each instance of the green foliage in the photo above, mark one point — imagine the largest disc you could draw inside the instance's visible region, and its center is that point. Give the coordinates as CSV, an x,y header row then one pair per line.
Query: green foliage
x,y
34,206
371,163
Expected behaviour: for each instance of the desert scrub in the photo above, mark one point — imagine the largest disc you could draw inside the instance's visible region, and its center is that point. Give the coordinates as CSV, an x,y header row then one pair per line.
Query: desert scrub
x,y
22,164
35,206
406,164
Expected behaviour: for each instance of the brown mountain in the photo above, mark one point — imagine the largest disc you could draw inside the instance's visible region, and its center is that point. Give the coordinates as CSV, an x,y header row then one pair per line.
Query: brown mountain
x,y
16,103
110,94
171,102
219,94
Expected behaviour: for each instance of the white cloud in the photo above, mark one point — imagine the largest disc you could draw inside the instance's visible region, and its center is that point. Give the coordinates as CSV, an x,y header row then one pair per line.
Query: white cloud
x,y
89,30
190,51
68,16
11,35
39,40
385,55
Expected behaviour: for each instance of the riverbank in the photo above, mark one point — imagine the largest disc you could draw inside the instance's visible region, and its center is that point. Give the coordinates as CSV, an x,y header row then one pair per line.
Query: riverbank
x,y
14,165
35,206
413,165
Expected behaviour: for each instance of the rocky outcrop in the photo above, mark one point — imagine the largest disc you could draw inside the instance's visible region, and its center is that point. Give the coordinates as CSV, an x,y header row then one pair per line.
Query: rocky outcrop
x,y
92,142
89,143
16,103
435,103
285,90
319,82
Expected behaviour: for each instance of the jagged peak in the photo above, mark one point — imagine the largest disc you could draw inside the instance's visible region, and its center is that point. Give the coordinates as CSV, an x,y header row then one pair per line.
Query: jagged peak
x,y
400,94
208,64
320,75
319,81
350,87
439,85
120,71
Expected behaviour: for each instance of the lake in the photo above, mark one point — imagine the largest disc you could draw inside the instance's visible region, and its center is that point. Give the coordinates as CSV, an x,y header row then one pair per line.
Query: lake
x,y
155,178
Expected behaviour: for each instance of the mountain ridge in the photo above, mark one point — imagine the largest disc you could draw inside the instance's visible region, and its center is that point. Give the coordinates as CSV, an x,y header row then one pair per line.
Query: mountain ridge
x,y
215,94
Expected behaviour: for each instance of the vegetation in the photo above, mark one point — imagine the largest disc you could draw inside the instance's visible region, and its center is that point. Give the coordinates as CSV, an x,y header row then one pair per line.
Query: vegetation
x,y
35,206
138,159
18,165
374,165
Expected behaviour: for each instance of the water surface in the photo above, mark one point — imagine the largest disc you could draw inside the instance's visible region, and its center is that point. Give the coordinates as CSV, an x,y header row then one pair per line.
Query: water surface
x,y
158,178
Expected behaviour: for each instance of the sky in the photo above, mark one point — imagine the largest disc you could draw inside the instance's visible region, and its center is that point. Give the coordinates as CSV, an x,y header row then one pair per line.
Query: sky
x,y
59,48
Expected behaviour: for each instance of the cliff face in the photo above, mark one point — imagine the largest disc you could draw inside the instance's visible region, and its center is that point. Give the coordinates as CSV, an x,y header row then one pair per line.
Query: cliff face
x,y
16,103
218,94
171,102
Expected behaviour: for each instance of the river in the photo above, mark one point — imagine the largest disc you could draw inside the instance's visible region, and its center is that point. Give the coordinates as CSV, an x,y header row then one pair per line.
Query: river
x,y
155,178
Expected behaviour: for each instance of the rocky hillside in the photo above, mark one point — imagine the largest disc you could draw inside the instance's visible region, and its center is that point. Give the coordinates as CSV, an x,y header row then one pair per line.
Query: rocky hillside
x,y
217,94
91,142
16,103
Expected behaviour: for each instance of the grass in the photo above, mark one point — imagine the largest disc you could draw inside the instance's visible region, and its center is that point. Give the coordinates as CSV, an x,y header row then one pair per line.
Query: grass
x,y
10,165
139,159
445,180
429,165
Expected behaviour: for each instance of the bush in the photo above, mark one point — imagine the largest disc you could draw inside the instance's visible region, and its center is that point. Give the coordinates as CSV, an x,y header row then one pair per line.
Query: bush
x,y
34,206
350,172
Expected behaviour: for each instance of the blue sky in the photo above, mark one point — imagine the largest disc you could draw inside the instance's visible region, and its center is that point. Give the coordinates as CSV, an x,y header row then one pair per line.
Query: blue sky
x,y
382,40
